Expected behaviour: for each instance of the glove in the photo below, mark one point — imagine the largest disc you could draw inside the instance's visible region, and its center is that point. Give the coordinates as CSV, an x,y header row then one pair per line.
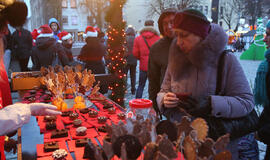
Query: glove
x,y
42,109
10,145
195,107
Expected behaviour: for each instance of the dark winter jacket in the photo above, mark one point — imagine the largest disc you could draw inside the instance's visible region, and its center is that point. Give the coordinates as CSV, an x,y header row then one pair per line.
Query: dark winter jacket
x,y
140,49
130,37
92,54
21,42
68,52
196,73
264,129
7,41
157,65
45,51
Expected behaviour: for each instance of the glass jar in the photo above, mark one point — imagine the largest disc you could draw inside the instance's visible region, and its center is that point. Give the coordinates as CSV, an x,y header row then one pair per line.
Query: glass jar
x,y
141,107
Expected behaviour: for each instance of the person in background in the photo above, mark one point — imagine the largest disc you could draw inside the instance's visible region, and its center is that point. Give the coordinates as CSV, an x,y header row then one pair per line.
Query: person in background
x,y
14,116
21,47
67,42
7,46
191,76
54,24
142,44
131,60
92,54
47,50
159,53
262,94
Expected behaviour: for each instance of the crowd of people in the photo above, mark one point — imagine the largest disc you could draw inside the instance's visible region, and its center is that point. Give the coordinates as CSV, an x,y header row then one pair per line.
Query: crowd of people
x,y
188,69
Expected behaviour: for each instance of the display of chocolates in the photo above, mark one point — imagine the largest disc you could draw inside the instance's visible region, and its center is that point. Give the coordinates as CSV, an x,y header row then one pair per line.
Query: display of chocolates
x,y
102,119
50,146
93,114
81,142
59,133
102,129
81,131
111,110
50,118
77,123
84,110
107,105
66,113
59,154
121,116
73,116
50,125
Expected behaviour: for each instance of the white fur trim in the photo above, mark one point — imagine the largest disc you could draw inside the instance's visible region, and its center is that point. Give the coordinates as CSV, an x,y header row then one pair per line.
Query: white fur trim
x,y
90,34
66,37
59,41
45,35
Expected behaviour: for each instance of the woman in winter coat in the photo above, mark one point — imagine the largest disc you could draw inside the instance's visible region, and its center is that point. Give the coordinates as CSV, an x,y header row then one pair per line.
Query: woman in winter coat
x,y
131,60
14,116
192,70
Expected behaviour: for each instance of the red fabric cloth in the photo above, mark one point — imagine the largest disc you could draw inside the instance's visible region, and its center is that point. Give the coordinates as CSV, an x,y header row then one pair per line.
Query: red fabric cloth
x,y
140,49
5,99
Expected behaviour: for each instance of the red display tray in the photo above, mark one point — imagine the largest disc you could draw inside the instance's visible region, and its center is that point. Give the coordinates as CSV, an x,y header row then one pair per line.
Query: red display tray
x,y
40,149
72,147
90,133
50,157
47,137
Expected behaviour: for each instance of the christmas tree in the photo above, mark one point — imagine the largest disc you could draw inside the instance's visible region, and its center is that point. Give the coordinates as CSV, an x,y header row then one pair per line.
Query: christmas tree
x,y
116,49
256,49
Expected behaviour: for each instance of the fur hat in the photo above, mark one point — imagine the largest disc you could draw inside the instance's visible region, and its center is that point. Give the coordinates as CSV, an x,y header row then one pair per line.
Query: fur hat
x,y
45,31
64,35
90,32
193,21
165,13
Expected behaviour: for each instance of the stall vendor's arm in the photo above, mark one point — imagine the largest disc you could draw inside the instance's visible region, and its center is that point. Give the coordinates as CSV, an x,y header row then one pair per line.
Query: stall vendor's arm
x,y
238,100
13,117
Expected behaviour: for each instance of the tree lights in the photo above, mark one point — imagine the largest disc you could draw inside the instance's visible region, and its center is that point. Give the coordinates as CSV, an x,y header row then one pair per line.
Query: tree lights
x,y
116,49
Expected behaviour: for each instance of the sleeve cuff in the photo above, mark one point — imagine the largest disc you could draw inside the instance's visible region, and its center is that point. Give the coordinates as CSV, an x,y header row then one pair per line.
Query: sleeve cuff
x,y
219,108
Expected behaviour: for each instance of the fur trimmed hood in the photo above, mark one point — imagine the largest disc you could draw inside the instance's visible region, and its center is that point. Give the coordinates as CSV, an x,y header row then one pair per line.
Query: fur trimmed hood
x,y
149,31
206,53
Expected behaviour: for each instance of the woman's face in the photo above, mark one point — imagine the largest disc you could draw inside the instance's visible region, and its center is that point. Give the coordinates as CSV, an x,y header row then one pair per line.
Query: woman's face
x,y
54,27
186,40
267,38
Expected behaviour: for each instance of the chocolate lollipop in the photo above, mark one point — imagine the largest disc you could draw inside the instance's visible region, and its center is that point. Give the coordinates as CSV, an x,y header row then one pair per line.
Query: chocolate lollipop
x,y
167,127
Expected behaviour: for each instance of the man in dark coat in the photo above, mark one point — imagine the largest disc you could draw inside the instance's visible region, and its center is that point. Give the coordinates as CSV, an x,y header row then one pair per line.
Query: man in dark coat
x,y
158,56
21,46
67,42
131,60
47,51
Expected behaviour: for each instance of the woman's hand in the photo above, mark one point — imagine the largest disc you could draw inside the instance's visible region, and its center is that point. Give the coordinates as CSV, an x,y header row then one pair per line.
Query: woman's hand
x,y
170,100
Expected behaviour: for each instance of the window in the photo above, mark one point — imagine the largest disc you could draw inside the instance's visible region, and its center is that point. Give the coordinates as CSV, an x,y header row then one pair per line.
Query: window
x,y
206,10
73,4
201,8
64,3
65,19
74,20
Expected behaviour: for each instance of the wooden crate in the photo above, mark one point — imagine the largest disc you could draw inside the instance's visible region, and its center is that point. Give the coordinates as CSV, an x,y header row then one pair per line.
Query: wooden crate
x,y
20,83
